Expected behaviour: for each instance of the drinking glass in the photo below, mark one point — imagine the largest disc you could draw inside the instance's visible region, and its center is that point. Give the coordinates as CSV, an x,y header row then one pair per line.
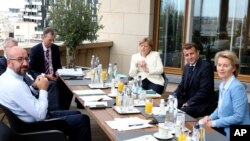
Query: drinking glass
x,y
148,106
104,75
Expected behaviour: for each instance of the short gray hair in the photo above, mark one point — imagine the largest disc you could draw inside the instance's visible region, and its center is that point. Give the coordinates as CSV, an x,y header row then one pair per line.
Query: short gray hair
x,y
7,41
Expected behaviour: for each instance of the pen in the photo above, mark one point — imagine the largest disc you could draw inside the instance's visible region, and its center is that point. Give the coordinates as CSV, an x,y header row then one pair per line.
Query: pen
x,y
100,99
131,125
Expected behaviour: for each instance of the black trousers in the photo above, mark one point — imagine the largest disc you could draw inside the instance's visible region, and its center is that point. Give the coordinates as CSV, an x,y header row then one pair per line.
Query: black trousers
x,y
147,85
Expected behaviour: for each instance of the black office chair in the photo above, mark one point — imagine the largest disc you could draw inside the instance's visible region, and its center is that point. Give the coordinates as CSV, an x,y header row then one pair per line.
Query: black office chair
x,y
7,134
165,82
20,126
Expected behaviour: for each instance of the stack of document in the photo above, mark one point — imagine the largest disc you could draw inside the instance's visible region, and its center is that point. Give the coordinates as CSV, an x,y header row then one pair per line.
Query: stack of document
x,y
70,72
89,92
128,123
95,98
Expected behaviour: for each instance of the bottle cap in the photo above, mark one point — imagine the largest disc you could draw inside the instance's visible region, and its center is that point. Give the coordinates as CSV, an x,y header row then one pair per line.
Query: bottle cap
x,y
162,100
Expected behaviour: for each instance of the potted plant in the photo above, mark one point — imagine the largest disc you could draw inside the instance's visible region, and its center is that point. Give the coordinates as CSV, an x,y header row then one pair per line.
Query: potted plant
x,y
74,21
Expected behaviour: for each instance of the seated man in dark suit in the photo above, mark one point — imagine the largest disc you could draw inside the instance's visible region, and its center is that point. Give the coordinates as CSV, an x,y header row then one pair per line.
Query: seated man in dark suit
x,y
53,97
195,93
45,58
18,98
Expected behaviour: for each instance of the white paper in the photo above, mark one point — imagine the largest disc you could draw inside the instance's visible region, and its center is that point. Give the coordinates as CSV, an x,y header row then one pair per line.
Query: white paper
x,y
98,85
70,72
89,92
95,98
93,103
128,123
144,138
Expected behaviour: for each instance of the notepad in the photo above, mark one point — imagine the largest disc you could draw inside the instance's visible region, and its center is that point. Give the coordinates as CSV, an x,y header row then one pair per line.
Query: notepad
x,y
89,92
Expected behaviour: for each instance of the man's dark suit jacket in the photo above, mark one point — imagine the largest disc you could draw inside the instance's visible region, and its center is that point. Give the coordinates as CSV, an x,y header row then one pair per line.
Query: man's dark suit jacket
x,y
199,91
3,65
37,66
37,59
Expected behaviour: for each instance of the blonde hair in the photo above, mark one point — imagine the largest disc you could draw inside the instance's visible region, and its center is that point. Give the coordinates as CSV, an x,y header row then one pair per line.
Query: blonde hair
x,y
147,40
230,56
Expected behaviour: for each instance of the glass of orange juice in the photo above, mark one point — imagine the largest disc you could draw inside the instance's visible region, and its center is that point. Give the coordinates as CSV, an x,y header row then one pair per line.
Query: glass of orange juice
x,y
120,86
104,75
182,137
148,106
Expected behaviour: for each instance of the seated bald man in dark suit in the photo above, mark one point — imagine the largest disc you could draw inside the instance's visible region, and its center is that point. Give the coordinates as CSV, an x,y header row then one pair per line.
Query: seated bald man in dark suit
x,y
195,93
53,97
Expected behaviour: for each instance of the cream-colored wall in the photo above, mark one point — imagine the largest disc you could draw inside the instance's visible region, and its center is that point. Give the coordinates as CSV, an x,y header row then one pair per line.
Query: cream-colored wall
x,y
125,23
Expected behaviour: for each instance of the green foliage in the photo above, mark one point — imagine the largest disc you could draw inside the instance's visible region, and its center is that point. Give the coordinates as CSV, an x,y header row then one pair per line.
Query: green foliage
x,y
74,21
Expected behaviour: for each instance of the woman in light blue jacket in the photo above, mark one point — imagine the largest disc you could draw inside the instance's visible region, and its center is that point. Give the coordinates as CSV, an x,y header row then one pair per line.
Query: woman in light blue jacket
x,y
232,107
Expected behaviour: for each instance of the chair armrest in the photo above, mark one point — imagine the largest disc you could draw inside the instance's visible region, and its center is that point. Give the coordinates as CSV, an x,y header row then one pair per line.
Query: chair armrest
x,y
50,135
51,124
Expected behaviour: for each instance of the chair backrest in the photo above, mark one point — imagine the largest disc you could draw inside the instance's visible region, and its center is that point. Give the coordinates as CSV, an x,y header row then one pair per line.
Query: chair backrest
x,y
6,134
165,82
14,121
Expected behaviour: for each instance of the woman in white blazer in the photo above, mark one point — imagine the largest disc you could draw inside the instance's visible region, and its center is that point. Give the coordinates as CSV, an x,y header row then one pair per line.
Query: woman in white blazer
x,y
148,65
232,107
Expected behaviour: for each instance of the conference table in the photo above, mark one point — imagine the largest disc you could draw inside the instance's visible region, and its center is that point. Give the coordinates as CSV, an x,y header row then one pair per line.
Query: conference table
x,y
107,114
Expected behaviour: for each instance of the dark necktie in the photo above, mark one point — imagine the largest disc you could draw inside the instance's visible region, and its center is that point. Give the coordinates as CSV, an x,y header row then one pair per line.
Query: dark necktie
x,y
47,62
190,73
29,82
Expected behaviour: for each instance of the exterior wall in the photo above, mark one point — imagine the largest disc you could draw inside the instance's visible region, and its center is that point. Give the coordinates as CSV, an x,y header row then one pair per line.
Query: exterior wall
x,y
125,22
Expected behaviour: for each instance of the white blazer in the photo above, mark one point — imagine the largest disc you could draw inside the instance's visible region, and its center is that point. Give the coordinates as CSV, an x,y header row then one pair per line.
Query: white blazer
x,y
154,65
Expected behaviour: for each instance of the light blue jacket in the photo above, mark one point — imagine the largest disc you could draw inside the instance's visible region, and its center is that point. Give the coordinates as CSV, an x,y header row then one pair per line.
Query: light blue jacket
x,y
234,107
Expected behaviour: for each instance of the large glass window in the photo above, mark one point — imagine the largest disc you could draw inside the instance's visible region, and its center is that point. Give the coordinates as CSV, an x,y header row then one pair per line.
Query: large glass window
x,y
223,25
215,25
170,32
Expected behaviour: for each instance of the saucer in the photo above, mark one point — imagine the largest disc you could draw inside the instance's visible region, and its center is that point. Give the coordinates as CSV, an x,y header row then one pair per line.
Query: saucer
x,y
163,138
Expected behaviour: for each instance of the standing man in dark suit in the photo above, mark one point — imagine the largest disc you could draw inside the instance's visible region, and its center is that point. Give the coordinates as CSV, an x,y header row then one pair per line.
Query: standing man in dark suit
x,y
45,58
195,93
53,97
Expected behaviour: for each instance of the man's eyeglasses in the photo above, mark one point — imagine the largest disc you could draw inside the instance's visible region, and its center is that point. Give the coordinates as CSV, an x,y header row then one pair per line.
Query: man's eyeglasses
x,y
20,60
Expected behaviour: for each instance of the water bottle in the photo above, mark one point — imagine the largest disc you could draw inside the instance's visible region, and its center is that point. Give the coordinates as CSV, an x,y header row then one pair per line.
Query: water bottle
x,y
139,81
110,72
92,62
169,117
97,61
162,107
196,133
115,70
100,74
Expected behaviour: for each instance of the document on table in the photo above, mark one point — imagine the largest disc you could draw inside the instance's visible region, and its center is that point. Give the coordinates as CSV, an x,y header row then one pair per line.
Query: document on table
x,y
95,98
89,92
143,138
128,123
70,72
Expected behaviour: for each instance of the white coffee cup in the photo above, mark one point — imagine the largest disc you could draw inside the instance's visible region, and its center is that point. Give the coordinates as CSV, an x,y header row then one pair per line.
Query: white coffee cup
x,y
163,131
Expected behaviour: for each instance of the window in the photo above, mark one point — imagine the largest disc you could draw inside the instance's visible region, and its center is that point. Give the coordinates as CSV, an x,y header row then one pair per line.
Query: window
x,y
215,25
170,30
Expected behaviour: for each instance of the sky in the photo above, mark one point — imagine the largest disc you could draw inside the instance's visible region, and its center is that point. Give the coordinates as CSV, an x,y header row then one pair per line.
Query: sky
x,y
5,4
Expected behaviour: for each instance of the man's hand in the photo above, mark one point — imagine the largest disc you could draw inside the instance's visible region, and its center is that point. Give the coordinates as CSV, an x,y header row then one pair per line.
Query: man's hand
x,y
41,83
51,77
185,105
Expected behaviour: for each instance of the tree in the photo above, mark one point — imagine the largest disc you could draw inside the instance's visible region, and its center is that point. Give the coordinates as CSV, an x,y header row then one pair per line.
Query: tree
x,y
74,21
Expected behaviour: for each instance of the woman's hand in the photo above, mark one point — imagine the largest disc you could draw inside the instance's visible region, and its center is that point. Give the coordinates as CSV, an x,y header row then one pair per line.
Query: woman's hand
x,y
207,120
142,65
